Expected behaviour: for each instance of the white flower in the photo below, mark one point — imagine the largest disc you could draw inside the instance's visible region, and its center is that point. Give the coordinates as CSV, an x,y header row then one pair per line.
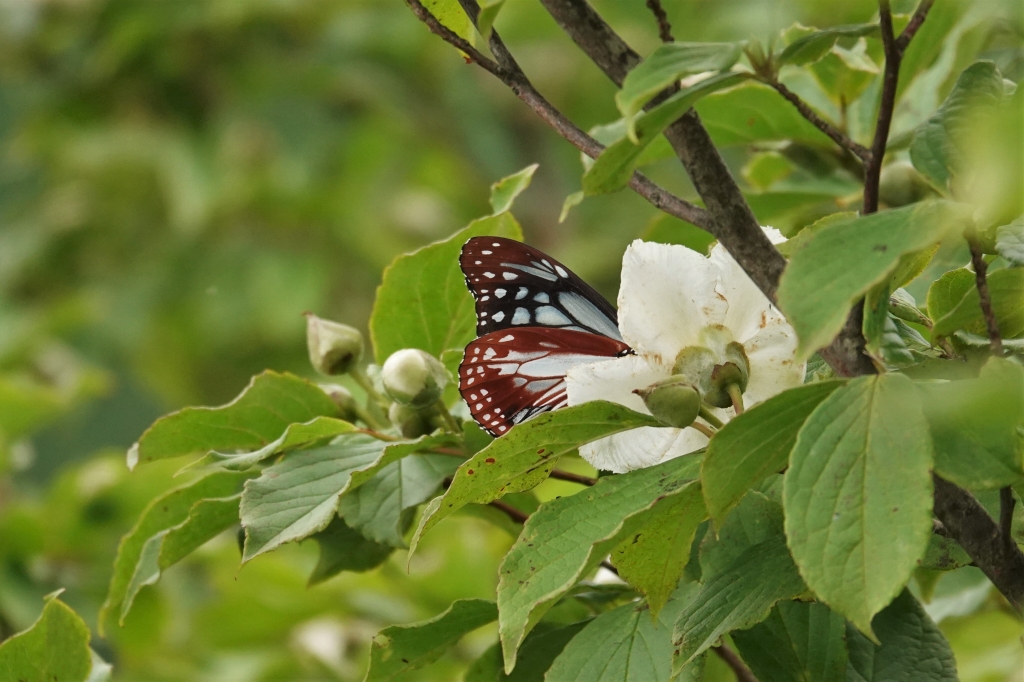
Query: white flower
x,y
668,296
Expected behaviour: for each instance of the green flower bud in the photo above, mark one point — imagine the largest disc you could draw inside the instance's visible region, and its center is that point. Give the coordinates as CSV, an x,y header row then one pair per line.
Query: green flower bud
x,y
334,348
341,396
414,377
673,401
714,365
411,422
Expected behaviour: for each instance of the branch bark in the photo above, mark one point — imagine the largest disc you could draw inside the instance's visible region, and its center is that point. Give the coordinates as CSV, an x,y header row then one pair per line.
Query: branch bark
x,y
664,27
978,534
835,134
995,339
739,668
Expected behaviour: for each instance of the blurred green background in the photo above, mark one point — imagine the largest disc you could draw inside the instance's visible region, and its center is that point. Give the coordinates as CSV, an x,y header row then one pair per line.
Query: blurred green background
x,y
180,180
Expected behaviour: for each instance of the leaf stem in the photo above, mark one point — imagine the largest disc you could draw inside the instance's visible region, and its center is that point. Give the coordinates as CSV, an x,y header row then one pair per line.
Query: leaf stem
x,y
367,417
706,414
732,660
447,418
359,375
736,395
834,133
1006,505
571,477
703,429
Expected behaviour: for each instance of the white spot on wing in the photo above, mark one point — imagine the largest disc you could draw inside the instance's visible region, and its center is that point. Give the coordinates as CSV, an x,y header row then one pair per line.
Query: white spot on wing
x,y
500,293
507,337
498,316
522,316
509,275
521,293
561,271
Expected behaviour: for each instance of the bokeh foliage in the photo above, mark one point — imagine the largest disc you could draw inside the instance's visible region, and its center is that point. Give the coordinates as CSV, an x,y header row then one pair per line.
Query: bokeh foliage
x,y
179,181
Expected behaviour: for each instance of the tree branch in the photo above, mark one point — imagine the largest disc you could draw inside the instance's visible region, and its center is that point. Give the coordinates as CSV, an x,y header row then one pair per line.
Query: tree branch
x,y
1006,505
508,71
978,534
995,339
836,135
739,668
910,30
664,27
513,513
571,477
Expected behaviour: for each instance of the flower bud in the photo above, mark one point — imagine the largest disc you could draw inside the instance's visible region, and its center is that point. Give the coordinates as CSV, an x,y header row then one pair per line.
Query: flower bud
x,y
343,399
673,401
333,347
414,377
411,422
713,366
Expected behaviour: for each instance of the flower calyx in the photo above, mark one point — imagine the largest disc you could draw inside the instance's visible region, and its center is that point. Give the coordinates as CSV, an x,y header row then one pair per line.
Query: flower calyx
x,y
334,348
414,377
673,401
718,368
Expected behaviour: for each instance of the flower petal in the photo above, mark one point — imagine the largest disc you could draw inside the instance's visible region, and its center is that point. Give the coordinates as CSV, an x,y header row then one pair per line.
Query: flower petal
x,y
641,448
666,297
613,380
773,366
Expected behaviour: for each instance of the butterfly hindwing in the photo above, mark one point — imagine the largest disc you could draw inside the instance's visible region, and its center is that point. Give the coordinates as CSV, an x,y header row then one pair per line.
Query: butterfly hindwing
x,y
517,286
512,375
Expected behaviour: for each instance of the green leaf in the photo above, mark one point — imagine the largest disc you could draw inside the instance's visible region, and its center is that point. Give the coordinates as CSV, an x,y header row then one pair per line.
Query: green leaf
x,y
883,339
164,512
505,191
816,296
844,74
484,23
1010,241
625,643
268,405
799,641
857,517
653,559
667,64
569,536
613,169
540,648
947,291
666,229
658,150
206,520
813,46
423,301
343,548
756,519
523,458
938,147
54,649
974,426
299,495
739,596
911,648
296,436
755,444
571,202
378,508
452,16
903,306
400,649
753,112
1006,290
944,554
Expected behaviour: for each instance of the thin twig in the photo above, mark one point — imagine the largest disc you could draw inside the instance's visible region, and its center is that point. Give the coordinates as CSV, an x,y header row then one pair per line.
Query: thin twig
x,y
703,429
914,24
1006,505
513,513
607,564
890,78
894,48
572,478
508,72
995,339
664,27
739,668
834,133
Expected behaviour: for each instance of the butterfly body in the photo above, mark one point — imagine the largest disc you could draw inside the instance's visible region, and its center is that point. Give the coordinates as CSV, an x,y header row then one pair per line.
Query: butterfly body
x,y
535,320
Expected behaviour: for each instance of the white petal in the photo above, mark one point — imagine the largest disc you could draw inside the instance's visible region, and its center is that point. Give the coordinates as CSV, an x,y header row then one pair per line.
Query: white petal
x,y
748,307
773,365
613,380
641,448
666,297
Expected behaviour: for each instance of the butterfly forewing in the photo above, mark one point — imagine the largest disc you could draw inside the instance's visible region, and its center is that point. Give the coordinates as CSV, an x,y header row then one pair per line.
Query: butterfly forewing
x,y
512,375
517,286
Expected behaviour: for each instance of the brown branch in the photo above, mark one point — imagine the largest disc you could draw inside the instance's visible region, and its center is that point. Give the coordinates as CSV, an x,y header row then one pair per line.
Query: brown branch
x,y
1006,505
513,513
890,78
910,30
975,531
995,339
508,71
834,133
664,27
739,668
571,477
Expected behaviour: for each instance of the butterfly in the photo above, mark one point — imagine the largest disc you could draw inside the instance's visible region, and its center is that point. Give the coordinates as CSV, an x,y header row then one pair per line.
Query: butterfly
x,y
535,320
